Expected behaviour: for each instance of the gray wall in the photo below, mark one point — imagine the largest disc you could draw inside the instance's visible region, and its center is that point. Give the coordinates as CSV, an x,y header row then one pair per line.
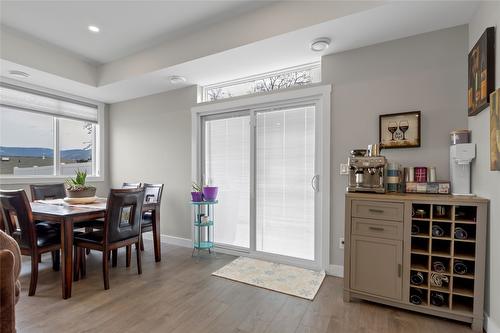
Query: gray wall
x,y
426,72
485,182
150,141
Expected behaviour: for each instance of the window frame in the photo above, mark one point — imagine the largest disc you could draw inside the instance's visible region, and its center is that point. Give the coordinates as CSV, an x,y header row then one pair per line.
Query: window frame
x,y
98,151
203,97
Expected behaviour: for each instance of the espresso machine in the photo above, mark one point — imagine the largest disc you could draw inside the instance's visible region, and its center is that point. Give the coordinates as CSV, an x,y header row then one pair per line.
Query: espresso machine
x,y
366,170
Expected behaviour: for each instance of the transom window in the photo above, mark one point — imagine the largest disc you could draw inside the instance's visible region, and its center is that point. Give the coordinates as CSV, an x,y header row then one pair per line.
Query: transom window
x,y
290,77
42,134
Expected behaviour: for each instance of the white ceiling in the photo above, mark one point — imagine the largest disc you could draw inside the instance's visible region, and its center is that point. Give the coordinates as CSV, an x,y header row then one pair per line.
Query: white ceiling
x,y
126,26
386,22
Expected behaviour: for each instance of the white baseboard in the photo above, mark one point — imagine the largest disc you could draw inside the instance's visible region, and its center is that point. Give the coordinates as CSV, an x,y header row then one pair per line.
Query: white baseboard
x,y
490,326
179,241
335,270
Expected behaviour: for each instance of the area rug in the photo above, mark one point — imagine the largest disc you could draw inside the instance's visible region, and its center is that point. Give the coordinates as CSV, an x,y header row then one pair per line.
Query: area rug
x,y
285,279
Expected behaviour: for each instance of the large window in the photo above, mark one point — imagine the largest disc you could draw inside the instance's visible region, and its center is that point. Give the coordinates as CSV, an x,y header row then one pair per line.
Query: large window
x,y
277,80
43,134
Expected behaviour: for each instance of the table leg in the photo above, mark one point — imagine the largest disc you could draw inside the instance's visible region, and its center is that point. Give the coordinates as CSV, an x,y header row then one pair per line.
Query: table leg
x,y
156,234
67,257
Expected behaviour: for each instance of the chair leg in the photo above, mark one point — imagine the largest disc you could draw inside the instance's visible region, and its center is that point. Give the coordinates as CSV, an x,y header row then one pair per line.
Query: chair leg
x,y
39,258
87,251
128,255
34,274
76,263
142,243
114,257
138,252
105,269
56,260
83,263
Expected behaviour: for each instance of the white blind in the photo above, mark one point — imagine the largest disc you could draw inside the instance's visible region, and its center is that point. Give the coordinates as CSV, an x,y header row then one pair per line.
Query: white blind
x,y
24,99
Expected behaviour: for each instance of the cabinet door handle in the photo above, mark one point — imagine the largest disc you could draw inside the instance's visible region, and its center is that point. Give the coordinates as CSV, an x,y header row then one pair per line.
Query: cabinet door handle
x,y
373,210
400,268
376,228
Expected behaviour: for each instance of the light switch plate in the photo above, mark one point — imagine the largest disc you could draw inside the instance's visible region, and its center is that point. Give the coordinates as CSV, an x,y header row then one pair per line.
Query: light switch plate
x,y
341,243
344,169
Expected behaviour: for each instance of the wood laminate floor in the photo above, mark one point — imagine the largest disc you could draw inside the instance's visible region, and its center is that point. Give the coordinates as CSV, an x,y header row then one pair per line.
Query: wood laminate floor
x,y
180,295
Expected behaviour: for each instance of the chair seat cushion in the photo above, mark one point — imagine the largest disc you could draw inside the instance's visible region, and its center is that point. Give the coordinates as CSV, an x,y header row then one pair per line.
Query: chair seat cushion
x,y
95,224
42,226
91,237
45,238
147,218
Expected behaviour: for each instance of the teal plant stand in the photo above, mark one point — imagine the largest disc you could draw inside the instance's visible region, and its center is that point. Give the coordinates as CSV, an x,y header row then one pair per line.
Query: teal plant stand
x,y
203,232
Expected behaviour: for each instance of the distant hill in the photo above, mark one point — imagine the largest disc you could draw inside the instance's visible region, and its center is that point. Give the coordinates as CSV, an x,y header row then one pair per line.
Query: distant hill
x,y
70,154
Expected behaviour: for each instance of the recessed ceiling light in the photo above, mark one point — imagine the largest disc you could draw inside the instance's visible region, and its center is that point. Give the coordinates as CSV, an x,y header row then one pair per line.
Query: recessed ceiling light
x,y
93,28
176,79
320,44
19,74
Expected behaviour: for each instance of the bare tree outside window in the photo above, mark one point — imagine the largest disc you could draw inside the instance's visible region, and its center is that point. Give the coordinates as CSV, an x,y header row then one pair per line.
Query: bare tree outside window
x,y
299,76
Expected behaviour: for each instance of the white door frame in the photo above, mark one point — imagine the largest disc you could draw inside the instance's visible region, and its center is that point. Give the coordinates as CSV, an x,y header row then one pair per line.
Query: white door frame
x,y
318,95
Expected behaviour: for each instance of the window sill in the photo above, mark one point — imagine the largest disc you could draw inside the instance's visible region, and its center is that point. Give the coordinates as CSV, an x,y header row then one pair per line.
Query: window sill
x,y
6,180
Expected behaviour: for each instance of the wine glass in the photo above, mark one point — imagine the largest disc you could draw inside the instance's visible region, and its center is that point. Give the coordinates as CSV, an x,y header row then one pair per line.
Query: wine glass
x,y
392,127
403,127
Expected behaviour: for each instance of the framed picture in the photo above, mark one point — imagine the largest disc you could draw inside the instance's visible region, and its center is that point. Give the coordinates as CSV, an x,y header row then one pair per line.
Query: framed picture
x,y
495,130
481,72
399,130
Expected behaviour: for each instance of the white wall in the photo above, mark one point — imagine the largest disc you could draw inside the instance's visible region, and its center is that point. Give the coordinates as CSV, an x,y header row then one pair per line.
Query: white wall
x,y
426,72
485,182
150,141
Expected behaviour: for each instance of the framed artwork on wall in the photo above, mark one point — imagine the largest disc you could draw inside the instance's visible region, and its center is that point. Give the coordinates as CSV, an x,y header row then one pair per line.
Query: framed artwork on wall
x,y
399,130
495,130
481,72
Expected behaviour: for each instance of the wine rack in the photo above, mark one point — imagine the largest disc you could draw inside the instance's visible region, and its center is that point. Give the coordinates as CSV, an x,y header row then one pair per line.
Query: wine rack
x,y
419,252
442,261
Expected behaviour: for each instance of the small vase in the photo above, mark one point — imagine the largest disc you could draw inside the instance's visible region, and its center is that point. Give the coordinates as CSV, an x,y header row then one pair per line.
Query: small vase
x,y
210,193
197,196
85,193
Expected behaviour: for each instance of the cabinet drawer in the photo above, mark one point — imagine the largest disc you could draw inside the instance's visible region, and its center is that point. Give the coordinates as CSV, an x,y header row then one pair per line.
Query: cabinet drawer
x,y
377,228
378,210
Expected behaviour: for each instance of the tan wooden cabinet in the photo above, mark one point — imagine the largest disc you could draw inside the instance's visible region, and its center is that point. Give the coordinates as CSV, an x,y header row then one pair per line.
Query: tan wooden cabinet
x,y
420,252
376,266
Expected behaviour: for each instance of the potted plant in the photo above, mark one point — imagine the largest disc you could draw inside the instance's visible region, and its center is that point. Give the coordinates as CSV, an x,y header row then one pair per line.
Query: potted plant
x,y
196,193
77,188
210,193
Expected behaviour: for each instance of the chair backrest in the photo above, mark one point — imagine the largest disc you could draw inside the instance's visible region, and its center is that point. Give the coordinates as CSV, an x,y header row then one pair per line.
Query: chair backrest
x,y
152,193
123,214
18,217
131,185
47,192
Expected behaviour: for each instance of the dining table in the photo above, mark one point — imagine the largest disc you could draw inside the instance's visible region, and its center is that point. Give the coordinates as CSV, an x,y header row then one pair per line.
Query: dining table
x,y
66,215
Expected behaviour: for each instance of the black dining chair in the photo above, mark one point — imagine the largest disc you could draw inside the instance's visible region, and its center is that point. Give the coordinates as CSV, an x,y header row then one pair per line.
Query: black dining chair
x,y
32,238
152,198
122,227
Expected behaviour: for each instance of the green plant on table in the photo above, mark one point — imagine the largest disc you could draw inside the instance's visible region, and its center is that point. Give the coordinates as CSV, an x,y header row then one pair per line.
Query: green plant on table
x,y
196,187
78,183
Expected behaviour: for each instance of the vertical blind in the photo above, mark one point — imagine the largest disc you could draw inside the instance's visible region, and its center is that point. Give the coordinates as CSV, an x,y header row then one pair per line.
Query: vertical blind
x,y
24,99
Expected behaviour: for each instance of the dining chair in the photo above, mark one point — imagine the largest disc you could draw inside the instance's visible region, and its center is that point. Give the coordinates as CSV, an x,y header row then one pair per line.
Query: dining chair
x,y
122,227
152,198
33,240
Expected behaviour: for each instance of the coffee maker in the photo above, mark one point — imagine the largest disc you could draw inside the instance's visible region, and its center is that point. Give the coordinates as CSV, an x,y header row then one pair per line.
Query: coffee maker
x,y
366,171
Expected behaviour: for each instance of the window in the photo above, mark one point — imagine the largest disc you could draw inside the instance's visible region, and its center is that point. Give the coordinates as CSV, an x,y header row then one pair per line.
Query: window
x,y
42,134
296,76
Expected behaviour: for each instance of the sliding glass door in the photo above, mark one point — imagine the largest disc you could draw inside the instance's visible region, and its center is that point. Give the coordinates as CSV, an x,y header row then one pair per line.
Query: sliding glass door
x,y
285,151
227,165
264,164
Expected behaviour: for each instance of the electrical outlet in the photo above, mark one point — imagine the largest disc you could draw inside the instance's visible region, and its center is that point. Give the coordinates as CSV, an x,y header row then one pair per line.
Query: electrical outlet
x,y
341,243
344,169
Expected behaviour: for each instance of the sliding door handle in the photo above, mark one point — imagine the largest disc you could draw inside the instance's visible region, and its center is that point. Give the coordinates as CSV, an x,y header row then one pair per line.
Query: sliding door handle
x,y
315,183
